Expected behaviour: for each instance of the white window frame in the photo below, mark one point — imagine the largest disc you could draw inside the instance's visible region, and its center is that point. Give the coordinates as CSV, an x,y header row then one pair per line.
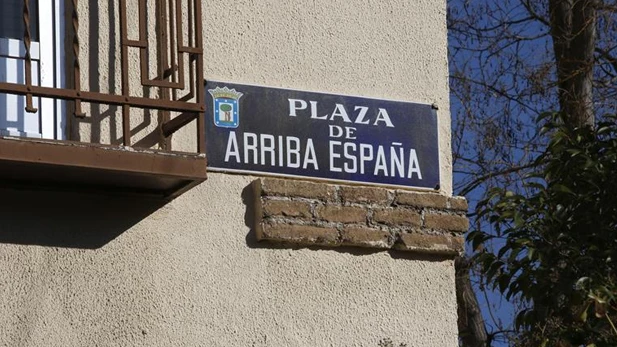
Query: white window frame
x,y
48,70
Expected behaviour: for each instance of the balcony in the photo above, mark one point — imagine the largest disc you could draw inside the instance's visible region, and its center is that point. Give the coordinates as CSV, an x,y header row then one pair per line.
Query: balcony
x,y
104,99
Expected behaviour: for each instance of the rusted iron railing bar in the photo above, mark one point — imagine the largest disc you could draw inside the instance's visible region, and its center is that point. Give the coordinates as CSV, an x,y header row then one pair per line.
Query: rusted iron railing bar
x,y
101,98
28,63
163,41
126,125
126,109
162,37
194,50
178,122
191,27
191,93
143,36
76,68
176,54
162,84
170,72
135,43
173,64
201,120
191,42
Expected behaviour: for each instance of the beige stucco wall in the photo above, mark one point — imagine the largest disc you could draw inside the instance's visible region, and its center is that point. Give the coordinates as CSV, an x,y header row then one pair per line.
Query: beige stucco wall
x,y
190,274
80,270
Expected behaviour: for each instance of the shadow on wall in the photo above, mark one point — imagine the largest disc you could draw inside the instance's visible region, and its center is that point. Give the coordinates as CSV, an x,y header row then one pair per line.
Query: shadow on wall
x,y
103,76
63,219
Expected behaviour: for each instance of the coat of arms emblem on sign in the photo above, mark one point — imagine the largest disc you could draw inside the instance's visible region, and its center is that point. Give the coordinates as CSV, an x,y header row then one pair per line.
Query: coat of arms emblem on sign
x,y
226,108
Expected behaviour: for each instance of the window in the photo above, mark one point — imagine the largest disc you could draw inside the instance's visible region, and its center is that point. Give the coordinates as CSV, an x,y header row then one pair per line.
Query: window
x,y
47,55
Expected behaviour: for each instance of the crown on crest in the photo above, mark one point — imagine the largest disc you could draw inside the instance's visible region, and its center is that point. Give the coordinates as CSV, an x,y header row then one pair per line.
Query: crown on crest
x,y
225,93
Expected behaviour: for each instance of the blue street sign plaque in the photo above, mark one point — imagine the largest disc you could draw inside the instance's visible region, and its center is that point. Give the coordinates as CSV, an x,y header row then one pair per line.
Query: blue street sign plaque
x,y
261,130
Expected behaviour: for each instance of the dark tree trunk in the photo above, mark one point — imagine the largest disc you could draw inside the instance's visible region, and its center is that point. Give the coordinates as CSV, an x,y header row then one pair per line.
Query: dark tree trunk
x,y
470,322
573,29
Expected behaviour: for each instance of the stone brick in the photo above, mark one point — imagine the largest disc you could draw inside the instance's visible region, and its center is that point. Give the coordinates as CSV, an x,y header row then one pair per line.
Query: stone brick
x,y
437,244
296,188
421,199
366,237
459,203
371,195
446,222
299,234
287,208
397,216
341,214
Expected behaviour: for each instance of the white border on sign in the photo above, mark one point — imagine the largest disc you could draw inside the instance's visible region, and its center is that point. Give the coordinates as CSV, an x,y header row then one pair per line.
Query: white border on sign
x,y
432,105
325,180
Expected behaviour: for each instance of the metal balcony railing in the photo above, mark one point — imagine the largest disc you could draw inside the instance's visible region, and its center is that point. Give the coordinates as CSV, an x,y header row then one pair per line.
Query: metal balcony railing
x,y
178,87
158,47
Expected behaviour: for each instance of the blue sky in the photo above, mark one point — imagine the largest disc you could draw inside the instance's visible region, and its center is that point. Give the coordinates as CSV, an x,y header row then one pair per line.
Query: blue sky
x,y
500,81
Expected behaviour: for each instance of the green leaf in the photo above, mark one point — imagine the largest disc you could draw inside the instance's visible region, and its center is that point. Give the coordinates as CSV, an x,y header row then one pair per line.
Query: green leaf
x,y
494,267
583,315
562,188
581,282
504,281
530,253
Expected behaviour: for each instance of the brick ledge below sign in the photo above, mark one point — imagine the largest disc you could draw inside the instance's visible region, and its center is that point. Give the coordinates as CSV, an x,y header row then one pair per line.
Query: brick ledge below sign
x,y
306,213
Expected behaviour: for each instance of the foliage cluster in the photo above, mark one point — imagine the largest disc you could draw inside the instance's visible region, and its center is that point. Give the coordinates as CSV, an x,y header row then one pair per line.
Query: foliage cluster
x,y
558,239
